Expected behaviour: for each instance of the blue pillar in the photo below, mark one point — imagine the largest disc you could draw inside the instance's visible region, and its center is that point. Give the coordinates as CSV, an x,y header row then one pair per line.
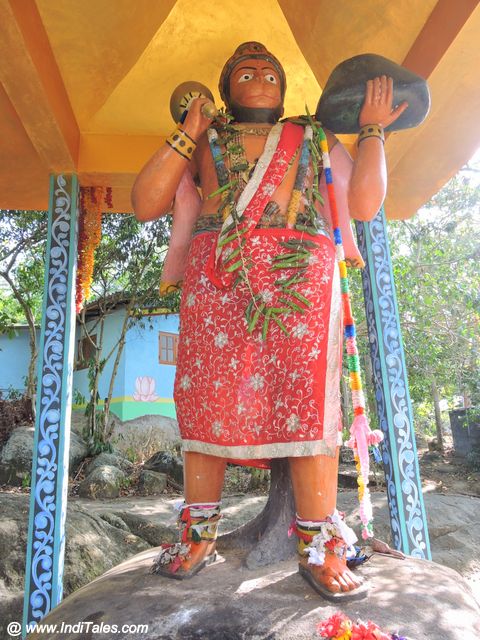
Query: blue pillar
x,y
48,501
407,511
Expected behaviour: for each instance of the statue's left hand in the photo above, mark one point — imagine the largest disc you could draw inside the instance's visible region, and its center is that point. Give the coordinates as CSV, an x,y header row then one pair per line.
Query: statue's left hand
x,y
377,106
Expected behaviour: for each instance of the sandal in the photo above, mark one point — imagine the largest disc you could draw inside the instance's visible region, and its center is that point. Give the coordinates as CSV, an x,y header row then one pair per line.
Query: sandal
x,y
198,526
171,561
330,544
333,596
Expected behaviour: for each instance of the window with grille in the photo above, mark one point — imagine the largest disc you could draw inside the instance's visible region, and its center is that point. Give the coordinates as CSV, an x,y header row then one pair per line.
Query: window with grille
x,y
167,348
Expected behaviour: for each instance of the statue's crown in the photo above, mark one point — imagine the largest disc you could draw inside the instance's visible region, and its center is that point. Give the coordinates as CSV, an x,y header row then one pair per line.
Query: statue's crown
x,y
249,51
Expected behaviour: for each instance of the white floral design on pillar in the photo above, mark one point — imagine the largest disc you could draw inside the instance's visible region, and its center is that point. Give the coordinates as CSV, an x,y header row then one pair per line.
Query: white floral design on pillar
x,y
145,389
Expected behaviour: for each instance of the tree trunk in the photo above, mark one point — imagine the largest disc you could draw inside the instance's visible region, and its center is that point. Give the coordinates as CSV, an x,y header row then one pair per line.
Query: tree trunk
x,y
438,415
133,302
94,381
32,366
267,533
108,429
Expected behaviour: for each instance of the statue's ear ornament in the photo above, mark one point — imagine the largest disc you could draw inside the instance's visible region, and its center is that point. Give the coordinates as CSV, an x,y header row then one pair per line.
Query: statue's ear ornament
x,y
343,95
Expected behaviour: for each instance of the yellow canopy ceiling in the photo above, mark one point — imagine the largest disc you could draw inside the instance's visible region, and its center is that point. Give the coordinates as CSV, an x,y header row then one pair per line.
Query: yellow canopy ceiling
x,y
85,84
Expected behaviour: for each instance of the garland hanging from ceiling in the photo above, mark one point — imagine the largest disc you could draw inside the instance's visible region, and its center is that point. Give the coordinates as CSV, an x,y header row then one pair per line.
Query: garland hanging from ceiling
x,y
92,203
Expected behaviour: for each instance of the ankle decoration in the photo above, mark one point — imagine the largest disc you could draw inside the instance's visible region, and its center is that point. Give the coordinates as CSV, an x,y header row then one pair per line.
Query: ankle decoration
x,y
199,522
319,538
171,557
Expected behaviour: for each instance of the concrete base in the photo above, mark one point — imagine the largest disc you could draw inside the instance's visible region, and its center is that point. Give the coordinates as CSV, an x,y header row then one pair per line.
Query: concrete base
x,y
418,599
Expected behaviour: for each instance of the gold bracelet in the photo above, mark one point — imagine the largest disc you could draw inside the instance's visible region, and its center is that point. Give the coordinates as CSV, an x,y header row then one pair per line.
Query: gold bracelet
x,y
169,287
182,143
371,131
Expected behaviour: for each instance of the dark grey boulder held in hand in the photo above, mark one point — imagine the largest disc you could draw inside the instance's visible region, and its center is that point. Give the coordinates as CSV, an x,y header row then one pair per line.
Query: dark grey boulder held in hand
x,y
342,98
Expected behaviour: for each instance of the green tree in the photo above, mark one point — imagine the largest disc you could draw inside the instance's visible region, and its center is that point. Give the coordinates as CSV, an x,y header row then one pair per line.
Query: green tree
x,y
128,264
435,259
23,237
436,266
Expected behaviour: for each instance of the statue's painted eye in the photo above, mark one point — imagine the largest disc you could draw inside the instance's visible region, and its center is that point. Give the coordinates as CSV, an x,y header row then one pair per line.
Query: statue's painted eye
x,y
271,78
245,77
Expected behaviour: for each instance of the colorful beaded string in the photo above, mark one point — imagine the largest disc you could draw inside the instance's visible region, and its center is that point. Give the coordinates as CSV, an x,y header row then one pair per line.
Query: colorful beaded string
x,y
361,434
300,181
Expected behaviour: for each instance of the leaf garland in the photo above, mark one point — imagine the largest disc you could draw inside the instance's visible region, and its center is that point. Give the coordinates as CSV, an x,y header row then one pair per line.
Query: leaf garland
x,y
298,251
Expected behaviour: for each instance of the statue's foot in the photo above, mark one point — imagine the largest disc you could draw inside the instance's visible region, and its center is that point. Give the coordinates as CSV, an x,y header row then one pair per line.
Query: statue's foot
x,y
184,560
333,580
201,555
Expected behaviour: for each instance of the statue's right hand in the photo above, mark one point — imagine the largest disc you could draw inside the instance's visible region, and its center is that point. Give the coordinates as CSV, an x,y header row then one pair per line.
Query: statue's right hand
x,y
196,123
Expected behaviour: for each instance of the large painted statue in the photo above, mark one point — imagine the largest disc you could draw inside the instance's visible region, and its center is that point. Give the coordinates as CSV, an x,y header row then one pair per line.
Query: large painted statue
x,y
259,358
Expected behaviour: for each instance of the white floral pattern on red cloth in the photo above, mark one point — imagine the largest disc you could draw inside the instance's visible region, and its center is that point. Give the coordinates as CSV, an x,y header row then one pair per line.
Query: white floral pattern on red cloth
x,y
240,397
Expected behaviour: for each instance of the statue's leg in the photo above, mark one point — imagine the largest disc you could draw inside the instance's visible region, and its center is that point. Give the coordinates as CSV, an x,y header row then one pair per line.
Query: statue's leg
x,y
203,483
203,477
198,520
314,481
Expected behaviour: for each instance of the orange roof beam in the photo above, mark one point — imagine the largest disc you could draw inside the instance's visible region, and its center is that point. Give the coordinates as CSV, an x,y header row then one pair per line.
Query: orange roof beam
x,y
35,87
445,50
442,27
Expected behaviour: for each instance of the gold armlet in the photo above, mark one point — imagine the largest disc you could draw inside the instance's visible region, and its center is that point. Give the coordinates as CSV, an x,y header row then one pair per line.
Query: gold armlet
x,y
182,143
371,131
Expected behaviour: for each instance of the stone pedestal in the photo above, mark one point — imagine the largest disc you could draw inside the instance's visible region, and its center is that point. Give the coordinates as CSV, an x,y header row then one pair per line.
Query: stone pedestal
x,y
418,598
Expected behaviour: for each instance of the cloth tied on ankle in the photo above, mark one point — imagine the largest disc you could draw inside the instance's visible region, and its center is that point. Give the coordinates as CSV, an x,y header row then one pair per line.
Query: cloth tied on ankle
x,y
171,556
198,521
332,534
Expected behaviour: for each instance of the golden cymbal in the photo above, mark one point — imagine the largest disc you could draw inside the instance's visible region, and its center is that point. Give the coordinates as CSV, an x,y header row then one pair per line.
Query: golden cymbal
x,y
185,93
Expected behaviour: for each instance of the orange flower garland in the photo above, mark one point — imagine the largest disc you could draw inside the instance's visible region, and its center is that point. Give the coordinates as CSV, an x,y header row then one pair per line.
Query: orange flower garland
x,y
92,200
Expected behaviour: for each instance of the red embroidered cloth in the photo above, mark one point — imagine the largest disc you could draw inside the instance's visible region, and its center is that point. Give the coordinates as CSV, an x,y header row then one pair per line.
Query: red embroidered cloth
x,y
243,398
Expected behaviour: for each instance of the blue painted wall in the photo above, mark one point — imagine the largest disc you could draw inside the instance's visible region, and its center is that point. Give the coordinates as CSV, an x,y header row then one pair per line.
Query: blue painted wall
x,y
14,360
142,386
111,334
142,361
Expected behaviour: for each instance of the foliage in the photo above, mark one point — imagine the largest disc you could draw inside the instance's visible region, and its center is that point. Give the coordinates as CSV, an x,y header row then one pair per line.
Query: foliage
x,y
241,479
131,455
470,419
14,412
473,459
23,239
78,398
96,444
435,259
124,483
126,275
26,480
13,394
128,266
10,315
436,267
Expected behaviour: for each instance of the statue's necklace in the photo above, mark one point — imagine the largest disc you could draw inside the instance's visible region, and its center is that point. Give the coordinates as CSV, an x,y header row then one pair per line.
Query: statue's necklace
x,y
252,131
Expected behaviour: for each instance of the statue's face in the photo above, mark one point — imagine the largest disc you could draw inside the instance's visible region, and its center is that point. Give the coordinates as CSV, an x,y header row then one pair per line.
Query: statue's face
x,y
255,92
255,83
